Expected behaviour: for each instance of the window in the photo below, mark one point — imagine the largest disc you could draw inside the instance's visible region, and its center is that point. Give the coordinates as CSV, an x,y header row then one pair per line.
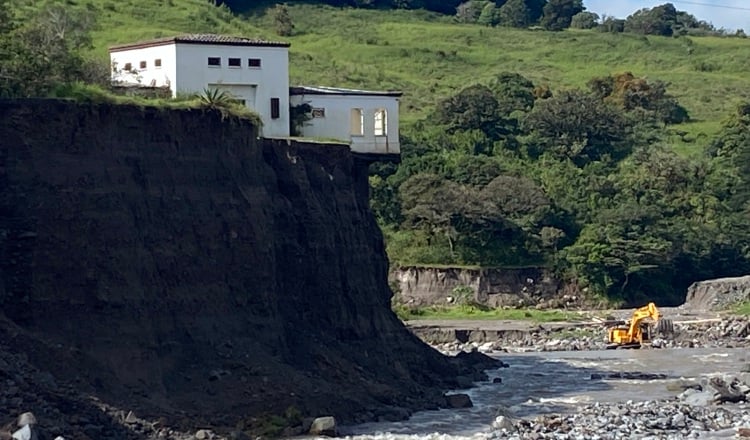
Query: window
x,y
275,108
235,62
253,62
143,65
381,128
357,122
214,62
128,67
157,63
318,113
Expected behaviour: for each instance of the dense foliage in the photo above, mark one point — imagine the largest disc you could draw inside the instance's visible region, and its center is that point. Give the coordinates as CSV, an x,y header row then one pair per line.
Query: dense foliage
x,y
580,181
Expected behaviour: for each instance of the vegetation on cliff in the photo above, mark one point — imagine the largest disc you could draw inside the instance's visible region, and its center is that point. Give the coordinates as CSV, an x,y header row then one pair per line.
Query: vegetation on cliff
x,y
618,157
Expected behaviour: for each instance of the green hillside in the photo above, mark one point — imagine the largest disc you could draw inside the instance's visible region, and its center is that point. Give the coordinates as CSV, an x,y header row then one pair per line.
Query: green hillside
x,y
428,56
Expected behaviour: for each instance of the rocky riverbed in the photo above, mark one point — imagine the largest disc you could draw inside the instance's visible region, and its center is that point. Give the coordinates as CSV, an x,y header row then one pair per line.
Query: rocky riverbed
x,y
730,332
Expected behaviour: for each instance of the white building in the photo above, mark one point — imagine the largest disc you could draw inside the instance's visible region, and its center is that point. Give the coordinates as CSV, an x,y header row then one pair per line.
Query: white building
x,y
256,72
368,120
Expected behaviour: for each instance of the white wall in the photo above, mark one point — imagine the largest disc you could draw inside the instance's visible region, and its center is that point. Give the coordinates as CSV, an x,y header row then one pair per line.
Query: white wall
x,y
165,75
271,80
337,121
185,69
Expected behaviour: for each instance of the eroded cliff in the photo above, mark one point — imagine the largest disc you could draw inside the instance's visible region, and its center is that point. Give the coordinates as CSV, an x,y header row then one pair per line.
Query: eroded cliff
x,y
172,263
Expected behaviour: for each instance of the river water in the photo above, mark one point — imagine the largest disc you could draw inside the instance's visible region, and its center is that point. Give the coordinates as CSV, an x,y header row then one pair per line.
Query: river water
x,y
556,382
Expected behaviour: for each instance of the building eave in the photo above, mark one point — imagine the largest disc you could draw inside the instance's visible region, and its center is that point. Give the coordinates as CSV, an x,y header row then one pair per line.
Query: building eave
x,y
335,91
189,39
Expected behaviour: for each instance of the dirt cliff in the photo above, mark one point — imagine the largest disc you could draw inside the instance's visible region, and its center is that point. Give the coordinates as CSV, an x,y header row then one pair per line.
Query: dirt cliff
x,y
172,263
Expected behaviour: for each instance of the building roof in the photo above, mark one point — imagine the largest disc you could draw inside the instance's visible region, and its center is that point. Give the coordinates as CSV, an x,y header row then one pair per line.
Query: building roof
x,y
320,90
210,39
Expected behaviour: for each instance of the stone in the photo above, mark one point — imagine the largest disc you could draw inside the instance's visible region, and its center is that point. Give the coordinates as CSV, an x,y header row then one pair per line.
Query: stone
x,y
503,423
497,380
202,434
131,418
743,432
702,398
458,401
324,426
26,418
23,433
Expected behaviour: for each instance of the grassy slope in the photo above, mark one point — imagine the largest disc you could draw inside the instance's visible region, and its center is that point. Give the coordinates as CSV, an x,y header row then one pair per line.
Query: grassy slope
x,y
429,57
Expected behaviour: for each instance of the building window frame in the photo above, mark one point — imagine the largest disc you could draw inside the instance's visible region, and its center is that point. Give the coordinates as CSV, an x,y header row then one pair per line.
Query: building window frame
x,y
275,108
214,62
234,63
157,63
254,63
380,118
357,122
143,65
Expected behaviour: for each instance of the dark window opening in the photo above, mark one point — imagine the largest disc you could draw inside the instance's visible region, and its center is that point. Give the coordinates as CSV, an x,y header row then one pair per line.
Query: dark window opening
x,y
214,61
275,108
235,62
157,62
143,64
128,67
253,62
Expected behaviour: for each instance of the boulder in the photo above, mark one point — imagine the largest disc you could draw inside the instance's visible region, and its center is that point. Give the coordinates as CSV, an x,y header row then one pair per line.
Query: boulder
x,y
503,423
324,426
458,401
26,418
702,398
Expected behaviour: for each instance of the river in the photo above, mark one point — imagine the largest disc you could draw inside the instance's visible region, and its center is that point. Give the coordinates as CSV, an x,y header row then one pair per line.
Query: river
x,y
558,382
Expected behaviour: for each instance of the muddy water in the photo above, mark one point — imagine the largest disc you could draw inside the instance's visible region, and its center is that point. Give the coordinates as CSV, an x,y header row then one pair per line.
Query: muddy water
x,y
556,382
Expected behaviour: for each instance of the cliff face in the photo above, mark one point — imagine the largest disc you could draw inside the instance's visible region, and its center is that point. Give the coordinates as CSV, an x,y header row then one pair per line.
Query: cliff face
x,y
171,262
718,294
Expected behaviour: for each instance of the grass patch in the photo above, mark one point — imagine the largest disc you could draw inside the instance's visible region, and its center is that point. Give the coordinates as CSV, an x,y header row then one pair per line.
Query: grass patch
x,y
93,94
744,309
472,311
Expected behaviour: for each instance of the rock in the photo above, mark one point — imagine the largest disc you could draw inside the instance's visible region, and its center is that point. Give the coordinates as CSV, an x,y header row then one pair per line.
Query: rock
x,y
702,398
458,401
23,433
203,434
240,435
26,418
464,382
324,426
743,432
503,423
131,418
497,380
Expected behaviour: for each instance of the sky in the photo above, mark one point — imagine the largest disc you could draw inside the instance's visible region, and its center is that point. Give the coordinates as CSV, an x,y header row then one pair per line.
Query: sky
x,y
729,14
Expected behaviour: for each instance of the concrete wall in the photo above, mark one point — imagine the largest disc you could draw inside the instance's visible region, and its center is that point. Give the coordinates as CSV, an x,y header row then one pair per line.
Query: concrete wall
x,y
185,69
159,76
337,121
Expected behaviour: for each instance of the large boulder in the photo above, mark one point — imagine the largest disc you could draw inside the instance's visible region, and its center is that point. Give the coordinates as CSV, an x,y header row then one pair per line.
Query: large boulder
x,y
324,426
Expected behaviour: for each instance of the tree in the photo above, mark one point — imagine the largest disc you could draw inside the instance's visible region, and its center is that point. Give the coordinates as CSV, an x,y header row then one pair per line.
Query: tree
x,y
658,20
47,51
473,108
578,126
515,13
557,14
584,20
490,15
612,25
282,20
469,12
639,96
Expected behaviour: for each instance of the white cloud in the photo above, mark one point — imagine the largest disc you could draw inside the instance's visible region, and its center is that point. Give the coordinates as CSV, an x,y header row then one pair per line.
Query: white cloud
x,y
709,10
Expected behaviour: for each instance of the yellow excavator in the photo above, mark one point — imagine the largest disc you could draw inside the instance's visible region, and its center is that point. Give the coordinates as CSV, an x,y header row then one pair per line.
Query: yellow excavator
x,y
637,331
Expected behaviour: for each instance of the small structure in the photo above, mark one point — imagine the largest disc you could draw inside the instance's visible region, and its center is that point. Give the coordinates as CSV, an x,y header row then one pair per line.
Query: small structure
x,y
256,73
367,120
